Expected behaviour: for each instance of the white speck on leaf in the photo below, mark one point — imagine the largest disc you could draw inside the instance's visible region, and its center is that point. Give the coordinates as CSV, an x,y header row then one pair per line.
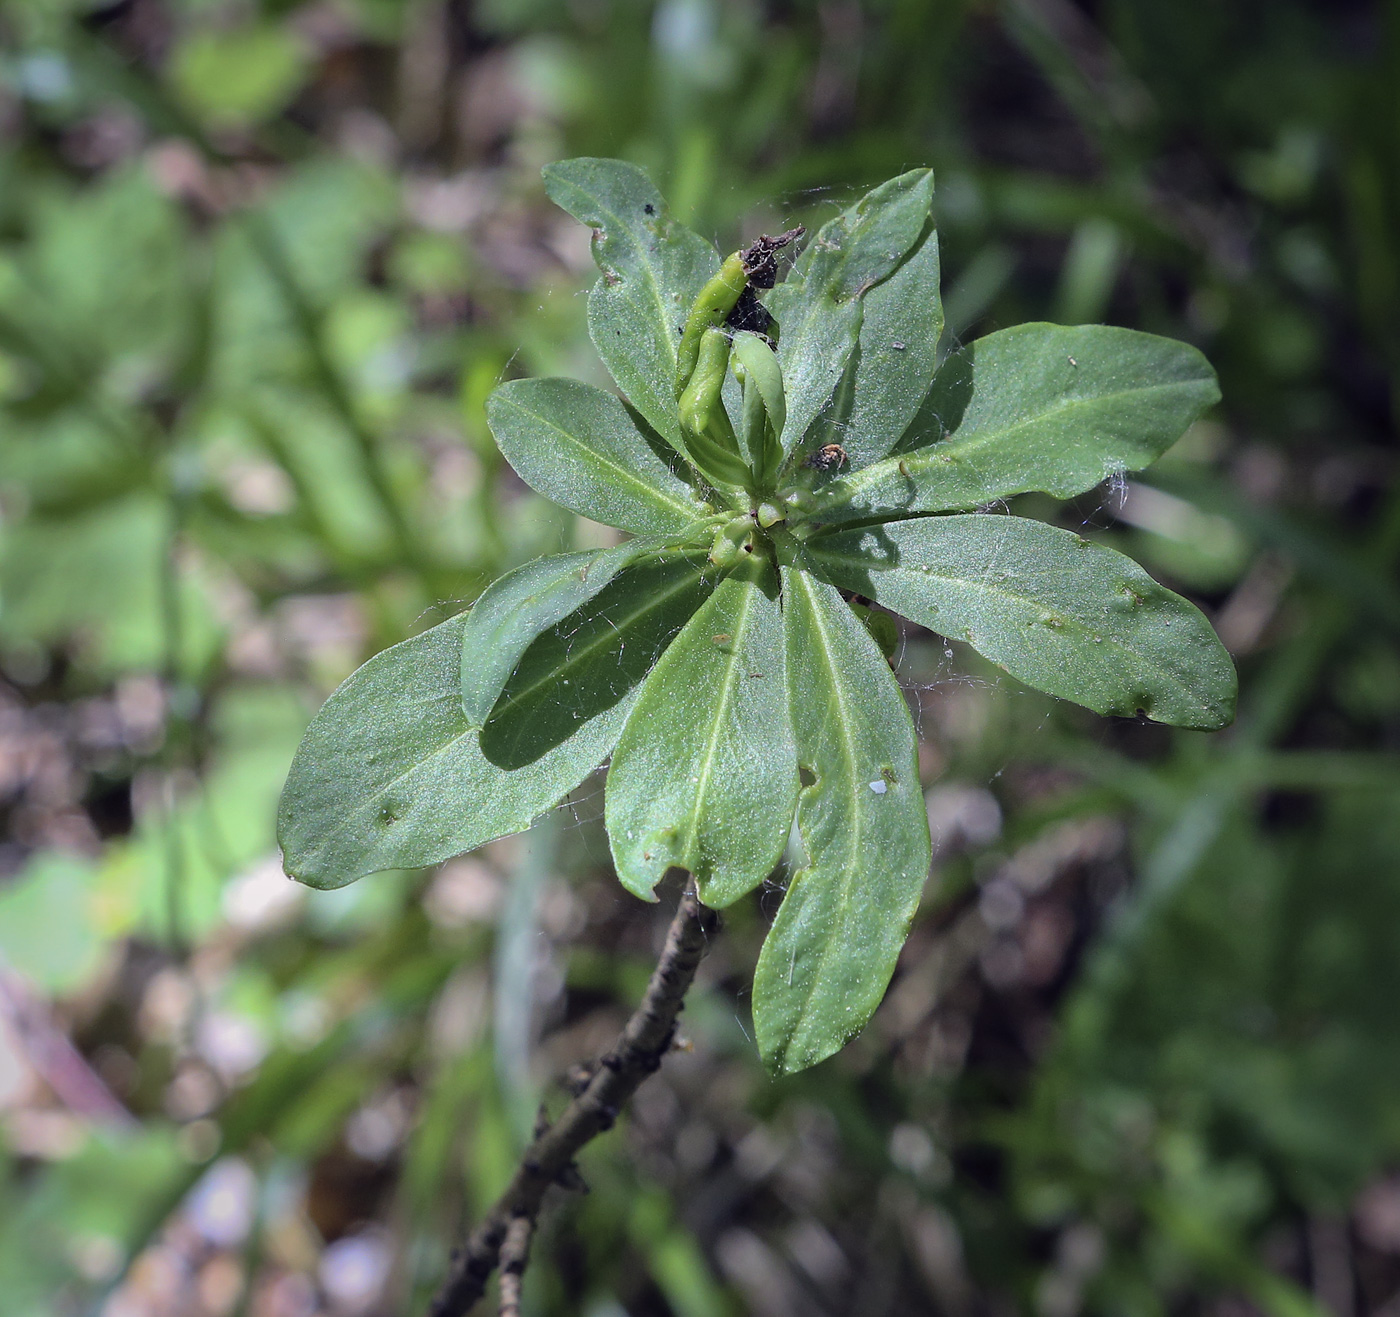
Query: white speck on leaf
x,y
879,787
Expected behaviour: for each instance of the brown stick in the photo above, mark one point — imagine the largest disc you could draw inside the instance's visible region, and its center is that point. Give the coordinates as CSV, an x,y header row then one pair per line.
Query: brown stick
x,y
638,1052
515,1253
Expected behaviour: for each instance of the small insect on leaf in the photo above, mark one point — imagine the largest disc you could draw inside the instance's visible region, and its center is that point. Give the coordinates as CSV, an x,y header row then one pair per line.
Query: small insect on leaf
x,y
829,457
722,639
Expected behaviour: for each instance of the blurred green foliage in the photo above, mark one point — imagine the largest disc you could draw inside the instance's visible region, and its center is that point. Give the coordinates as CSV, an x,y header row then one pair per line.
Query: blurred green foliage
x,y
260,263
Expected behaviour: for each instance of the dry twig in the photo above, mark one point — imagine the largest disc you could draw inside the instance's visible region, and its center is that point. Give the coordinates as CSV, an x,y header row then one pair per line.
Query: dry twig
x,y
550,1158
515,1253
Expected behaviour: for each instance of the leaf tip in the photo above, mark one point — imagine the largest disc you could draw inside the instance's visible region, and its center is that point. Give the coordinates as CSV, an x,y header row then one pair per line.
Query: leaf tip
x,y
308,873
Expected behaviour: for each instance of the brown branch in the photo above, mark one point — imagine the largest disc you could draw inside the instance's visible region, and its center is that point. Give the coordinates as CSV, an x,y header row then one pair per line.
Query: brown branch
x,y
515,1253
550,1158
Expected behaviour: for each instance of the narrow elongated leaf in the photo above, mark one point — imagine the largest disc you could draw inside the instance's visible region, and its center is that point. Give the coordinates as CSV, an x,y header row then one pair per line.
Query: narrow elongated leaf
x,y
1068,617
866,241
753,353
521,604
830,953
390,776
813,368
1043,407
889,373
705,774
653,269
818,307
898,352
578,446
593,659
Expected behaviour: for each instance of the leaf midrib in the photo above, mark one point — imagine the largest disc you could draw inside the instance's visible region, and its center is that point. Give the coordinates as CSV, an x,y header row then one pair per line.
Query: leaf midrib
x,y
920,460
730,683
601,641
1154,664
511,624
382,790
574,656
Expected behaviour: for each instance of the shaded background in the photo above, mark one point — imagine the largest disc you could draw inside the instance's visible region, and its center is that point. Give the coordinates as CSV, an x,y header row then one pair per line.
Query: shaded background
x,y
259,266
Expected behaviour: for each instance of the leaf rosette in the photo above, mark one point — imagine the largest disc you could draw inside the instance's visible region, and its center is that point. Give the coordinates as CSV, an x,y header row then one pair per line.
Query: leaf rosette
x,y
781,456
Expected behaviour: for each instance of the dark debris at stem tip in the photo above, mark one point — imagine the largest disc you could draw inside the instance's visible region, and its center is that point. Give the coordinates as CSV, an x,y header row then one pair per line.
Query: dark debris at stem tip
x,y
749,314
760,257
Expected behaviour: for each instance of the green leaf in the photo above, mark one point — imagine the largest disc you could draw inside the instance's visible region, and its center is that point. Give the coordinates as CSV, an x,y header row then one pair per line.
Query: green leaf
x,y
832,949
594,659
705,773
577,446
759,360
653,269
515,609
1040,407
889,374
864,243
814,367
238,77
50,925
93,582
818,307
1068,617
390,776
